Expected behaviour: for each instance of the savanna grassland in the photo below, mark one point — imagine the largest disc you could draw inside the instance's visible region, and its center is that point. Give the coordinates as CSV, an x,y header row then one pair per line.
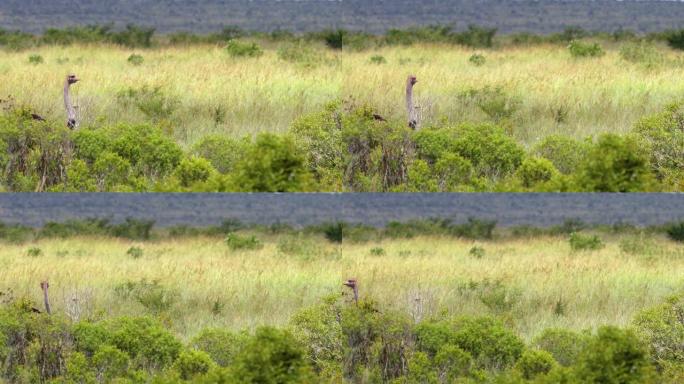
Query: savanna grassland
x,y
521,305
326,111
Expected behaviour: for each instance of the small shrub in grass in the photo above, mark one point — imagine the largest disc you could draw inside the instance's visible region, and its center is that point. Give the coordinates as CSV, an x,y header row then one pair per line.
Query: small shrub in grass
x,y
34,252
564,345
675,39
378,59
641,53
237,48
135,59
477,252
135,252
192,363
474,229
237,242
579,49
220,344
300,53
110,362
15,233
150,294
676,231
334,232
477,60
580,242
36,59
533,363
133,229
377,251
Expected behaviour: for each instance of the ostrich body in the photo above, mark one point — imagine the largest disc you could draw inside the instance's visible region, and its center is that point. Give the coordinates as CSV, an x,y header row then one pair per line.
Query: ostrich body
x,y
70,111
412,113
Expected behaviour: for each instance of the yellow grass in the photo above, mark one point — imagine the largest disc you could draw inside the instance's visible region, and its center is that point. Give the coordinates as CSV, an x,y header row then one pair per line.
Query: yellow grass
x,y
422,276
267,93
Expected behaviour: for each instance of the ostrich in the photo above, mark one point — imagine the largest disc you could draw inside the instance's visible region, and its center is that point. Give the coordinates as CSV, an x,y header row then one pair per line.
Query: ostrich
x,y
412,113
70,111
351,283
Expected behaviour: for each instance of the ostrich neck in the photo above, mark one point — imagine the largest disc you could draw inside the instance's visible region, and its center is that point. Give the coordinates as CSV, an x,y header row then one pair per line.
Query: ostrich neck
x,y
71,113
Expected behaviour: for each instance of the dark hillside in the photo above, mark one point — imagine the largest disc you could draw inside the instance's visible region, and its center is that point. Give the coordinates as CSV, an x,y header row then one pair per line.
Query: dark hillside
x,y
369,15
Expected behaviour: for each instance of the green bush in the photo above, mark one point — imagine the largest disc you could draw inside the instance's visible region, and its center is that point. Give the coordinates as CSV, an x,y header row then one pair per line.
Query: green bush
x,y
662,329
15,233
135,252
533,363
615,356
192,363
580,242
34,252
615,164
477,252
564,152
675,39
477,59
378,59
193,170
144,340
152,295
535,170
237,48
272,356
223,152
641,53
221,345
133,36
300,53
272,164
334,39
136,59
493,102
152,102
110,362
579,49
564,345
133,229
36,59
663,135
676,231
236,242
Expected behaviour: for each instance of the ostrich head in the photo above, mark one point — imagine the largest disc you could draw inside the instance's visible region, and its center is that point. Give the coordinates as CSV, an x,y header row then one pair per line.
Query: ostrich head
x,y
412,80
72,79
351,283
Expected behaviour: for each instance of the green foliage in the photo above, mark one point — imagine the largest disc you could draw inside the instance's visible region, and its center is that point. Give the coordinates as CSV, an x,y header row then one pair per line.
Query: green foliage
x,y
564,345
615,356
192,363
493,102
378,59
133,36
661,327
565,153
193,170
34,252
153,102
150,294
272,356
237,48
300,53
477,59
222,151
675,39
580,242
110,362
663,135
221,345
615,164
535,170
334,38
641,53
136,59
36,59
675,231
237,242
579,49
272,164
533,363
133,229
144,340
477,252
15,233
135,252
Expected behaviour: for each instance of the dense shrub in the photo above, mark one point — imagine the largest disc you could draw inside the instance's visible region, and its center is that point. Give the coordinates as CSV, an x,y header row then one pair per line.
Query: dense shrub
x,y
136,59
615,356
221,345
534,170
222,151
300,53
193,170
477,59
675,39
237,242
533,363
581,49
272,356
662,328
133,229
615,164
564,345
565,153
272,164
580,242
641,53
192,363
237,48
676,231
663,134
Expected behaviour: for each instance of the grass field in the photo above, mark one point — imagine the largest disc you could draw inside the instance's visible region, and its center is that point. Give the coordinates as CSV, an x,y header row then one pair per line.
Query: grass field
x,y
532,283
542,88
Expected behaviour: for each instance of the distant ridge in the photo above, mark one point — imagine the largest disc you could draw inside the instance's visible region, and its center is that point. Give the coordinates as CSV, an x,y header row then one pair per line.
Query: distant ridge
x,y
368,15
